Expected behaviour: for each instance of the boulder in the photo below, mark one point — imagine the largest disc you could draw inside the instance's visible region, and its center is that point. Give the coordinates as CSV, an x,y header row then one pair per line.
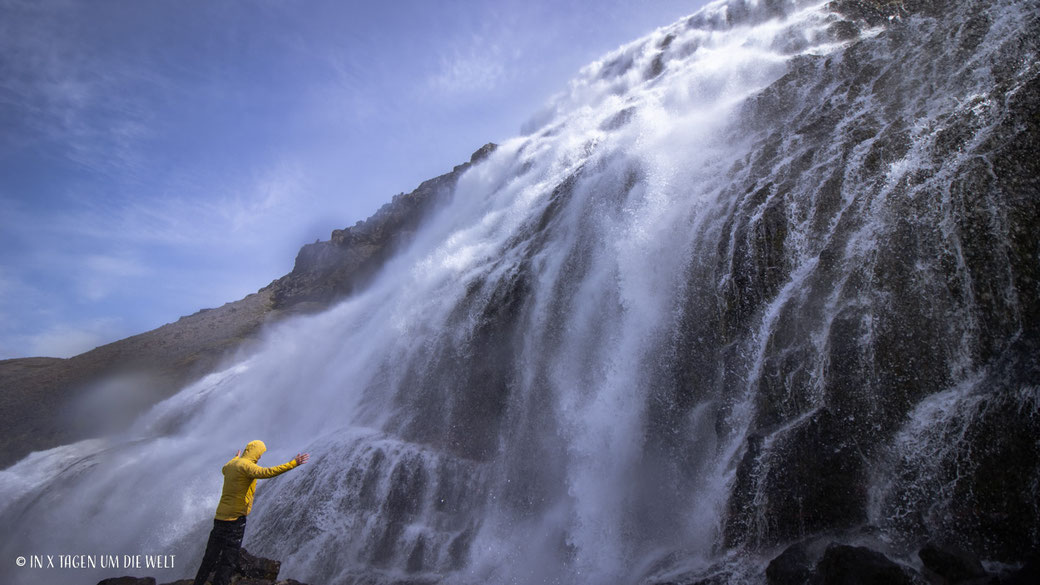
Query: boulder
x,y
950,565
1028,574
856,565
256,567
791,567
252,570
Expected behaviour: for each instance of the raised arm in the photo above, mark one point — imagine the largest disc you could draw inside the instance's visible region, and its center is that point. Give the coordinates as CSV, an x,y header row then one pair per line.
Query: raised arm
x,y
258,472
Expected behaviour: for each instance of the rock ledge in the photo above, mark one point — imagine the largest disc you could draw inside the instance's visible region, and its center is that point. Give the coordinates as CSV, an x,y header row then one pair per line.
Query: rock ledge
x,y
252,570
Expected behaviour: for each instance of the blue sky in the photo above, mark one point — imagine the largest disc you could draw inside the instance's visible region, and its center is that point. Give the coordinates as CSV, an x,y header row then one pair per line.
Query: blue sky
x,y
159,157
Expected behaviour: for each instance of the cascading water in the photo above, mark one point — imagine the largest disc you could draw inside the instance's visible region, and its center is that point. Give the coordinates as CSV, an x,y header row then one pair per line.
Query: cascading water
x,y
734,288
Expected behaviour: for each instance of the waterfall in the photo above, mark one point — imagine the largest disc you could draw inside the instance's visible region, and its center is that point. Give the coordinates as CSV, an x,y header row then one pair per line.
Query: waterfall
x,y
756,276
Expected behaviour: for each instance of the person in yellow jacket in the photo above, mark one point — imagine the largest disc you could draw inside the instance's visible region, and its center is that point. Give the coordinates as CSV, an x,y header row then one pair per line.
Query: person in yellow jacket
x,y
236,501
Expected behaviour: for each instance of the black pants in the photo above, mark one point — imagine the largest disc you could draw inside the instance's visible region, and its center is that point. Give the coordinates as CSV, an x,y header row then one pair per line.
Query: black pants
x,y
222,551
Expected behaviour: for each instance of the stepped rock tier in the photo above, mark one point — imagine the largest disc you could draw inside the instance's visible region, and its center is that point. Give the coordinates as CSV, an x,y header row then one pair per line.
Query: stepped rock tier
x,y
755,300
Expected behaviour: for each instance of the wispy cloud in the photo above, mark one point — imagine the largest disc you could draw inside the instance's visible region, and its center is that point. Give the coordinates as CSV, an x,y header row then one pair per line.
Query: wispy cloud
x,y
6,284
59,90
190,213
102,274
272,197
479,67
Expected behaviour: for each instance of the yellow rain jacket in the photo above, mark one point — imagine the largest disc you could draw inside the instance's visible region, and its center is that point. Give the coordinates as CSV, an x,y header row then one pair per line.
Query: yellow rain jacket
x,y
240,475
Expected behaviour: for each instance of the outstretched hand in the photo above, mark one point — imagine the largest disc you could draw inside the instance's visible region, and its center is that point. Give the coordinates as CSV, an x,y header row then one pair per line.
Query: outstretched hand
x,y
302,458
239,453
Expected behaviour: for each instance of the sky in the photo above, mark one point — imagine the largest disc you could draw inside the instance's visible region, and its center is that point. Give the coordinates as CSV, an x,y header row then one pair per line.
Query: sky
x,y
160,157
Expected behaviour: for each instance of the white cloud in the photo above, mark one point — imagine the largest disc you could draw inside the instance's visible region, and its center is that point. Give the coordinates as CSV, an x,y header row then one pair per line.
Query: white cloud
x,y
269,199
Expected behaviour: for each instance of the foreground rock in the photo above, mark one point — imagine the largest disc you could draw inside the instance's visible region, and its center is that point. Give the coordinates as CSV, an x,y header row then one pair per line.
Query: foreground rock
x,y
856,565
950,565
252,570
822,561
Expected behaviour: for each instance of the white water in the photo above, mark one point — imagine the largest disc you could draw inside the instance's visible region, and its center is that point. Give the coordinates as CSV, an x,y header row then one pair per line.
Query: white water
x,y
452,440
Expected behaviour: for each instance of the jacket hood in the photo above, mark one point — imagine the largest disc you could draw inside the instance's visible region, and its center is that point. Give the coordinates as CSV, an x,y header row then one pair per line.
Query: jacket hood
x,y
254,450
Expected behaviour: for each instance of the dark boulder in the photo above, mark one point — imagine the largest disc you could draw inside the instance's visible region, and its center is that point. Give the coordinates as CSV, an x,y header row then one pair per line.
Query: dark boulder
x,y
252,570
791,567
856,565
814,477
1028,574
257,567
950,565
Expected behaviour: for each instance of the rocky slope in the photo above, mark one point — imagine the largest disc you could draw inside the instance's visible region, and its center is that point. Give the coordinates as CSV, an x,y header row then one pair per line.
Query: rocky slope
x,y
45,402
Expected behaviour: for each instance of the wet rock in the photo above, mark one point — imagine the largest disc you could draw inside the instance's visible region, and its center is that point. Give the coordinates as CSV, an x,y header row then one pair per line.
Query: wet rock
x,y
856,565
843,30
791,567
815,480
1028,574
252,570
619,119
951,565
656,67
257,567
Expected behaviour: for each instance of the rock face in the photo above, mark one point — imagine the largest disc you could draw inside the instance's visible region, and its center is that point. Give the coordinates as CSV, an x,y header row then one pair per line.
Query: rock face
x,y
954,226
326,271
115,382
